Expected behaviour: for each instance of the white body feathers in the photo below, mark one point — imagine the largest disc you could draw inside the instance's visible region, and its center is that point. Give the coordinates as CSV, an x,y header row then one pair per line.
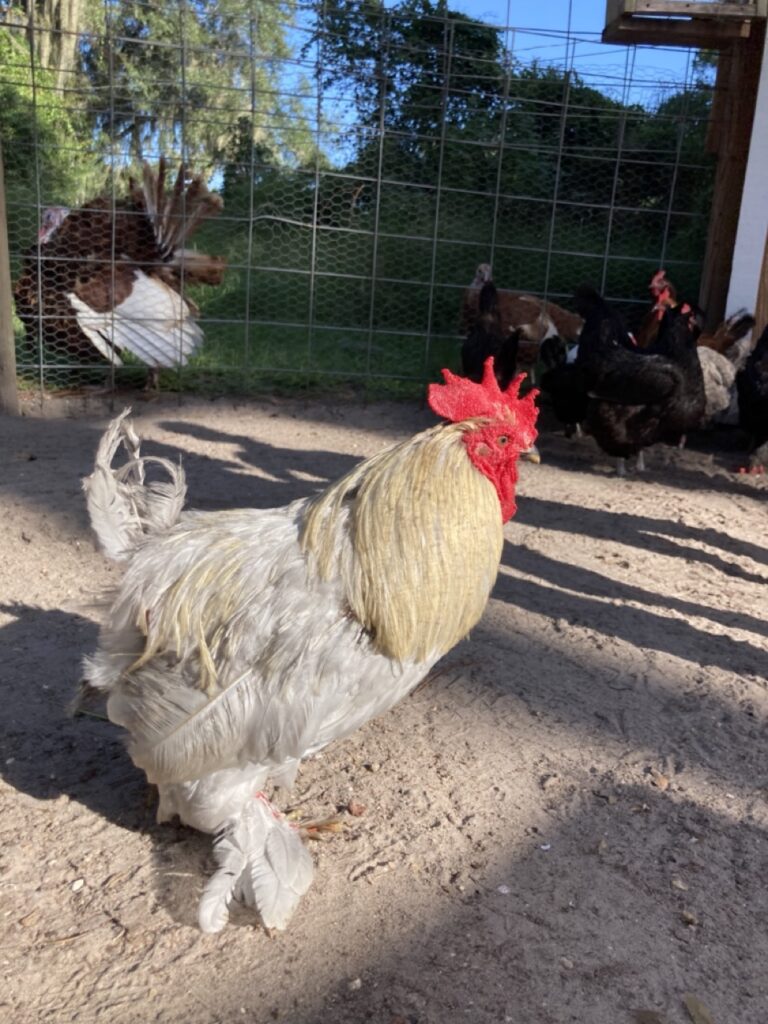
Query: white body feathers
x,y
228,657
153,322
719,375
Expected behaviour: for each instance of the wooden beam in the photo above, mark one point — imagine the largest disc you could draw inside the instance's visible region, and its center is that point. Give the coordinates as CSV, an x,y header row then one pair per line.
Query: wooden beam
x,y
9,395
737,81
719,109
688,9
680,22
709,35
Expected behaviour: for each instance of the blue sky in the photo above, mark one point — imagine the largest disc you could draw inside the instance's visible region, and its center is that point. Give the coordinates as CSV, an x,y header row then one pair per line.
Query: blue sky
x,y
539,30
563,33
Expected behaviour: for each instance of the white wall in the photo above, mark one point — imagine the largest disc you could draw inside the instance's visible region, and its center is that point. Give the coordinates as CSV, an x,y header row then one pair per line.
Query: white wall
x,y
753,218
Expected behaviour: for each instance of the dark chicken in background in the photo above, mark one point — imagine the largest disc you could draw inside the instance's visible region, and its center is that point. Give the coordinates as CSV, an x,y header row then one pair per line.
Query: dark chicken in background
x,y
664,296
564,383
752,388
722,352
568,373
628,399
640,400
488,336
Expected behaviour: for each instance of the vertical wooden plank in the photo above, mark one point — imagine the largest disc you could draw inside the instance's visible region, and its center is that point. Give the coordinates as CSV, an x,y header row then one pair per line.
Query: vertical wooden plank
x,y
9,396
737,82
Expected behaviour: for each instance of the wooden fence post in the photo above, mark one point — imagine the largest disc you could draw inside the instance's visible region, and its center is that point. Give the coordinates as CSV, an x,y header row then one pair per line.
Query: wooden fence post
x,y
9,395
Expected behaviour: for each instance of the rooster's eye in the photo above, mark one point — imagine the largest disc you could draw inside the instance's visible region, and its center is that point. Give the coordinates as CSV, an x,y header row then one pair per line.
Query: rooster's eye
x,y
503,439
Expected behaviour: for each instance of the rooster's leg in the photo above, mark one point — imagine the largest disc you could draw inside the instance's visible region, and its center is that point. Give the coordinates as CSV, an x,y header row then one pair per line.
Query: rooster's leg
x,y
640,463
682,442
621,467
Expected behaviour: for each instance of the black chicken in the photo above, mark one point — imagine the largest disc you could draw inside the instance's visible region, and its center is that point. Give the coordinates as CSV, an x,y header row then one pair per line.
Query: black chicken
x,y
488,337
752,389
627,399
635,399
569,374
563,380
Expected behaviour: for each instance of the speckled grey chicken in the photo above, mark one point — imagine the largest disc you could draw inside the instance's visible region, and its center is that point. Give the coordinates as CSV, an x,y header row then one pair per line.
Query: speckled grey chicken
x,y
242,641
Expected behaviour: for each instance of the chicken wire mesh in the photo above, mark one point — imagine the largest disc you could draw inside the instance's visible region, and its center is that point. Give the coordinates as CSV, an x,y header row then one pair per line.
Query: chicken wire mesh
x,y
367,158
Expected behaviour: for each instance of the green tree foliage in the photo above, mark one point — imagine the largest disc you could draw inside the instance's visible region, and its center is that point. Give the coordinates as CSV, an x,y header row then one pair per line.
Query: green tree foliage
x,y
186,77
42,147
52,27
525,153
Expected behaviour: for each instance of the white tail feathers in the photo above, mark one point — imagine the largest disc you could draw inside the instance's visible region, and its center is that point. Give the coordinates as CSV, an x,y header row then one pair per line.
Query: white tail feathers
x,y
124,508
153,322
262,863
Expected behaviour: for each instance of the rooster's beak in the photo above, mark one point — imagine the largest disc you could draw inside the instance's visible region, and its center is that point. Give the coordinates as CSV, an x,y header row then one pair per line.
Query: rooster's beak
x,y
531,455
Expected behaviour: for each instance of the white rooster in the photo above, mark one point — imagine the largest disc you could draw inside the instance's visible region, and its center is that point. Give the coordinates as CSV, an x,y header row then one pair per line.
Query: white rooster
x,y
242,641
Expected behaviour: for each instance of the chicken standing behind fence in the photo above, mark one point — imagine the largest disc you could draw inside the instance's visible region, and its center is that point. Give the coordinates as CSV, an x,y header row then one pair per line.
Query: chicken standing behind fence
x,y
532,318
110,277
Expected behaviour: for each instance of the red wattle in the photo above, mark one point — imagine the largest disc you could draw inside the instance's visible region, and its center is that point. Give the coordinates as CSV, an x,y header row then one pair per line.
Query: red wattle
x,y
497,464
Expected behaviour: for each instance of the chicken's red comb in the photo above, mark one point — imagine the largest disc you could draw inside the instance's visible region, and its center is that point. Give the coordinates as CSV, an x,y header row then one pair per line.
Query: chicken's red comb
x,y
658,280
461,399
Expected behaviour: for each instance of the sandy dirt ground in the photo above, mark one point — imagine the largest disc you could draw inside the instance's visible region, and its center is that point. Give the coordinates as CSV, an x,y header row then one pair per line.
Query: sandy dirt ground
x,y
565,823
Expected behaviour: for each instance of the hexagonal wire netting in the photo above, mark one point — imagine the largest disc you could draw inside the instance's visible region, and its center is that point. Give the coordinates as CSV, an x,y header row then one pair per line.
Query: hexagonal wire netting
x,y
367,159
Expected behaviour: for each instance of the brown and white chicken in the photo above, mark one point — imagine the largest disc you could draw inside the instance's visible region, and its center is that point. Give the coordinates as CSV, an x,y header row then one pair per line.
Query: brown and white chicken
x,y
111,276
241,642
534,319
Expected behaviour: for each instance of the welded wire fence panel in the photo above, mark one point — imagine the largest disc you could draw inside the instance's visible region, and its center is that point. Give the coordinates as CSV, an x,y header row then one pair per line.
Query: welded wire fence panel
x,y
366,158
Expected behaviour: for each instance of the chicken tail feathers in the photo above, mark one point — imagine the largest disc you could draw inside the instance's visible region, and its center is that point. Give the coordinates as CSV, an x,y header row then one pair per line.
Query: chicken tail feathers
x,y
122,505
176,213
262,863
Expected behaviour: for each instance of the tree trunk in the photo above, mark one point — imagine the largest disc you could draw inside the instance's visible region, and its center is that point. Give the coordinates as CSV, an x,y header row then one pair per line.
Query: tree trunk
x,y
52,26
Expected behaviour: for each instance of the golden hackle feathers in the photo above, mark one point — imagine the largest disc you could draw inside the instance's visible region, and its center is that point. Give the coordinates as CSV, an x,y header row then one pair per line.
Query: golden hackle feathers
x,y
416,536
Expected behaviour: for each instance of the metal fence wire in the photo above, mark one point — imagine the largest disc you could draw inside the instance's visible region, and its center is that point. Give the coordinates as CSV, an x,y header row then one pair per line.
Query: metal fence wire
x,y
350,163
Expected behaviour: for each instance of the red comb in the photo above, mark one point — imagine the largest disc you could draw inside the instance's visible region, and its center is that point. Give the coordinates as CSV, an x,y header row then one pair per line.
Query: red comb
x,y
461,399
